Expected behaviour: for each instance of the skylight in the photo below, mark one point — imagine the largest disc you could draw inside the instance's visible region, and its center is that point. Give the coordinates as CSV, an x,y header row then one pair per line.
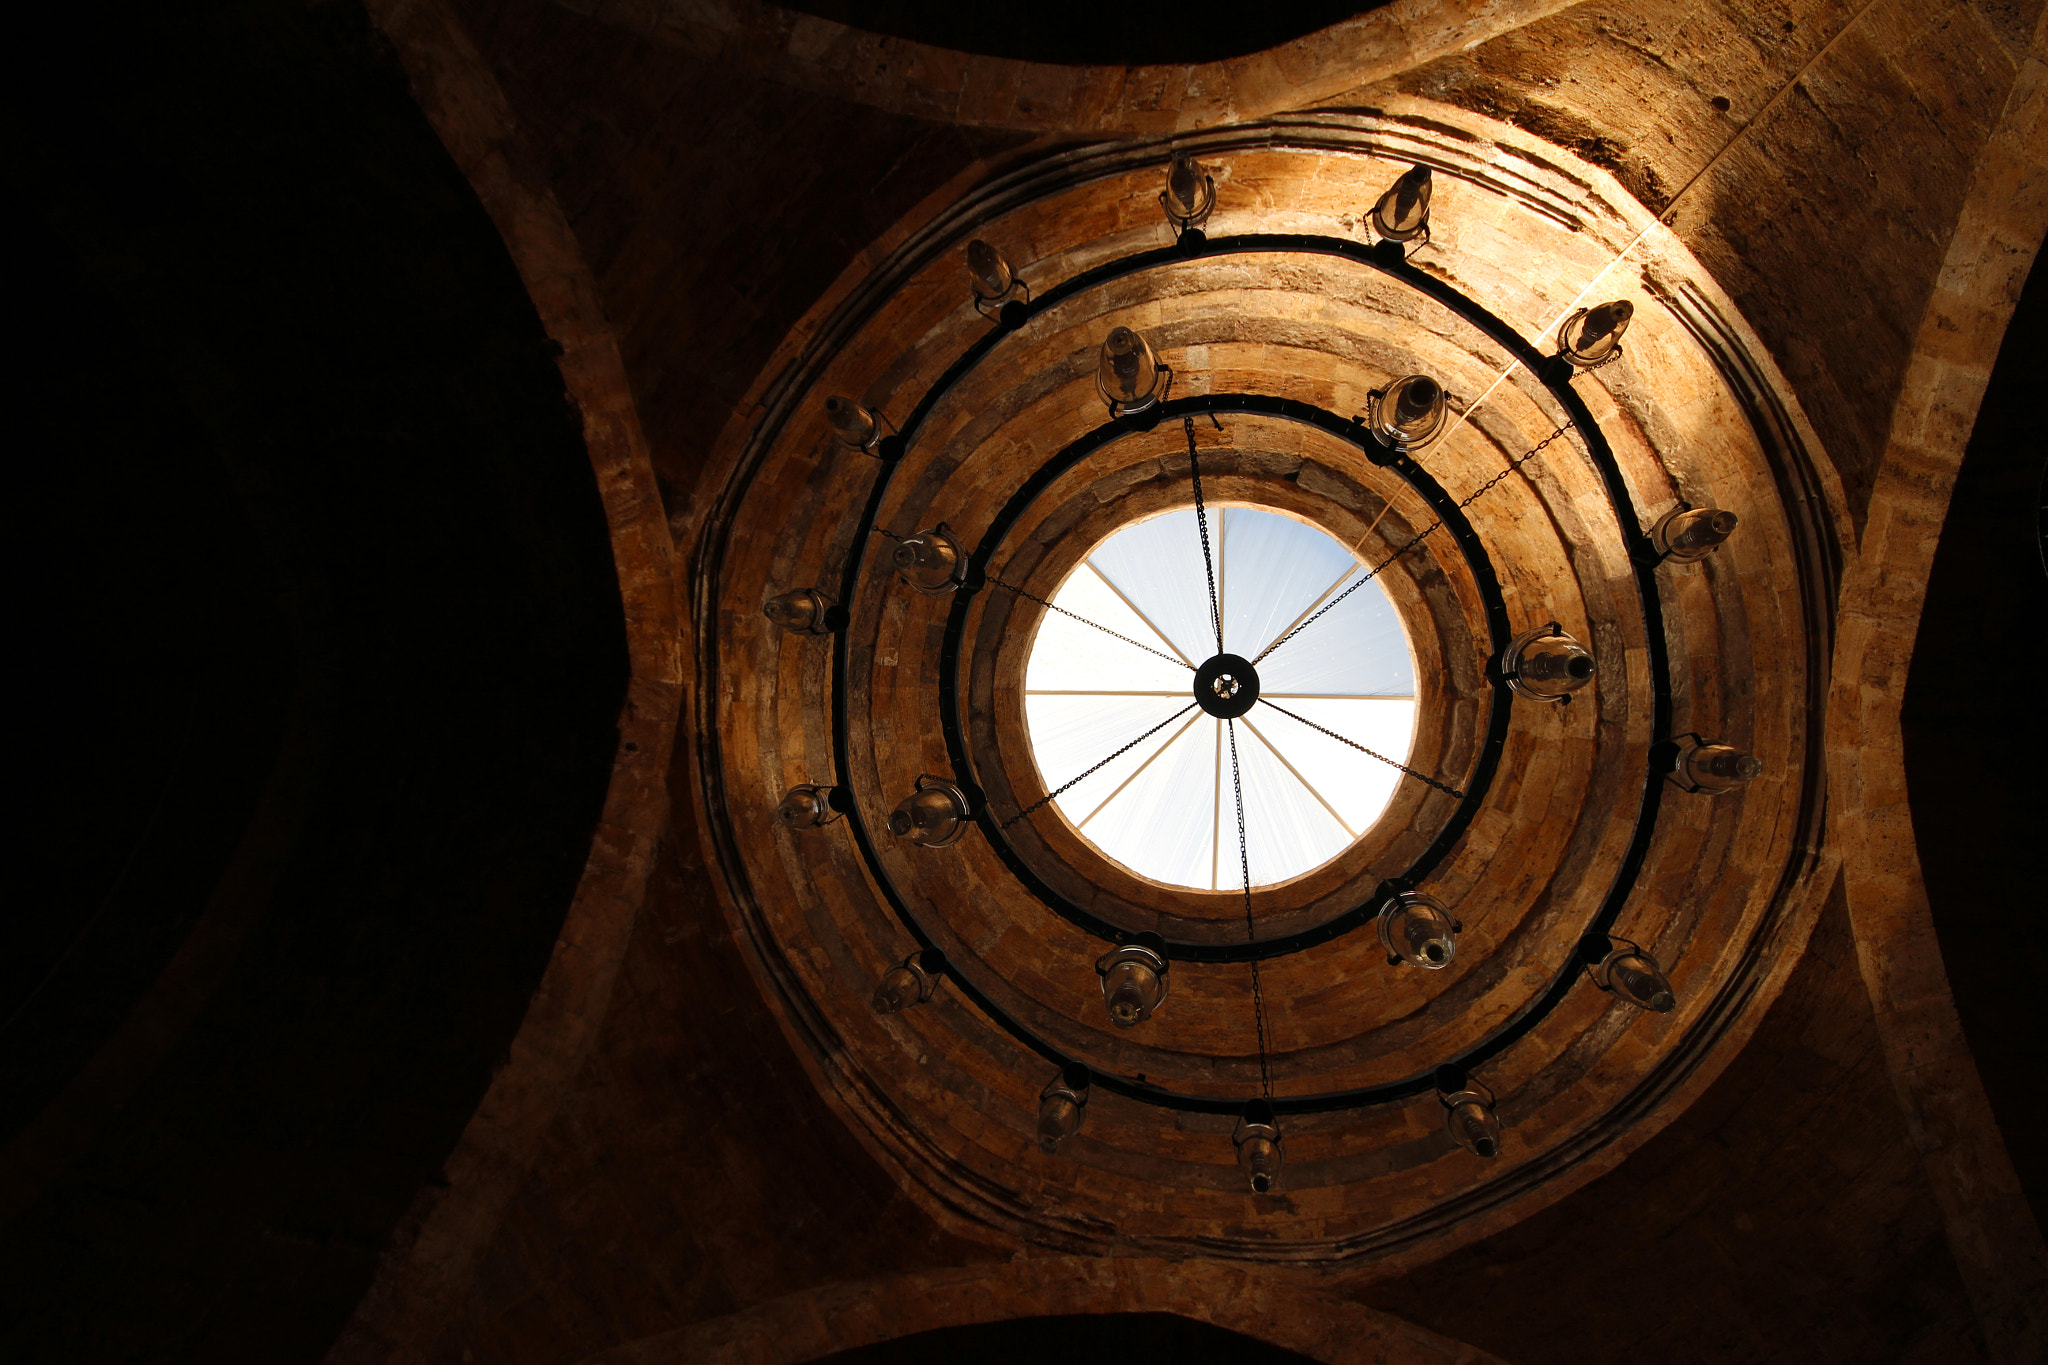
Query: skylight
x,y
1165,809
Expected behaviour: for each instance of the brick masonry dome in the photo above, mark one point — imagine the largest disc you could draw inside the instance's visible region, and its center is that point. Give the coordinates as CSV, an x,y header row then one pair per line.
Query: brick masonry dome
x,y
431,393
1709,886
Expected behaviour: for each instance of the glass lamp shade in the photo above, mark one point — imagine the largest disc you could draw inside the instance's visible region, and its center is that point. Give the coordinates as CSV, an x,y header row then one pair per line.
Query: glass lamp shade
x,y
903,985
1547,665
806,807
933,816
853,424
1059,1118
1689,534
802,611
1258,1147
1717,768
1634,975
928,561
1417,930
1127,375
1190,191
1592,336
1061,1107
1471,1122
990,272
1409,413
1402,213
898,990
1133,983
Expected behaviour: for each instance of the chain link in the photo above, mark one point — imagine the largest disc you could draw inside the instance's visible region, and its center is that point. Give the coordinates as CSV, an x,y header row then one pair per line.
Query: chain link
x,y
1051,795
1419,537
1202,523
1371,574
1027,593
1236,775
1426,781
1244,865
1513,465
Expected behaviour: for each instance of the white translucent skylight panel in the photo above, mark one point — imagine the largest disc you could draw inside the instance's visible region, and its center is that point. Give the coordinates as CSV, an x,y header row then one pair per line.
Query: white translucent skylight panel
x,y
1166,808
1158,565
1357,785
1357,649
1161,825
1069,656
1287,831
1070,735
1274,567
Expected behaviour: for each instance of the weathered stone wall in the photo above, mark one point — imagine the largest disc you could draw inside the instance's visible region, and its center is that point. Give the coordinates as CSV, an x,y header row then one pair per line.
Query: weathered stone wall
x,y
1828,221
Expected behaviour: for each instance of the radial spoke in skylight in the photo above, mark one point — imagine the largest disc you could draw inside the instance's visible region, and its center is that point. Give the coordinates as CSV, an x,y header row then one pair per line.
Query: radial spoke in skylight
x,y
1160,825
1070,735
1358,785
1357,649
1069,656
1274,567
1287,830
1157,564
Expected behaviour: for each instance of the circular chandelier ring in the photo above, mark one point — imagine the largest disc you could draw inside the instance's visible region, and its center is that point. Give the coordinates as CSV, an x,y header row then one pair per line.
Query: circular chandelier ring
x,y
1642,557
1492,604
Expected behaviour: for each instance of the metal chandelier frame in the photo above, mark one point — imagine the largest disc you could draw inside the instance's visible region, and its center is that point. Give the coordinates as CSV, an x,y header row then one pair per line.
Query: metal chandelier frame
x,y
1193,246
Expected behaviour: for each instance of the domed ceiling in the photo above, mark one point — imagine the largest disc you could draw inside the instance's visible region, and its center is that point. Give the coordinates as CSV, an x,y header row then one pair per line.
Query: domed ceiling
x,y
1539,826
529,270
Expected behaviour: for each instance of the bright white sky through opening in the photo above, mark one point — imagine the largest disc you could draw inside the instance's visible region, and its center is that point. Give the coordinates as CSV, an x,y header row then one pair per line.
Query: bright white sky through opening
x,y
1165,809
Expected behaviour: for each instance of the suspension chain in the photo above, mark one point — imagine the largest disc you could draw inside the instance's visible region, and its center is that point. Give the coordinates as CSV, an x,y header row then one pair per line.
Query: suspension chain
x,y
1202,523
1419,537
1027,593
1513,465
1244,865
1419,777
1049,796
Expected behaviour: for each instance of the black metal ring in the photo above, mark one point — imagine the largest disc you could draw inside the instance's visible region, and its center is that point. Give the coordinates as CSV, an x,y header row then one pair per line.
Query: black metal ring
x,y
1226,686
1559,386
1492,604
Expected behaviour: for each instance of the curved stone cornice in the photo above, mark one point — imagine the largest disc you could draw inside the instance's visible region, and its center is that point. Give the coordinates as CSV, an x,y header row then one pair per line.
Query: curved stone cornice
x,y
839,1317
922,81
422,1280
1991,1229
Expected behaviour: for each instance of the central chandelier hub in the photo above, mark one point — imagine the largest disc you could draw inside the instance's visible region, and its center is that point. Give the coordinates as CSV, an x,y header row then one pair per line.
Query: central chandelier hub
x,y
1226,686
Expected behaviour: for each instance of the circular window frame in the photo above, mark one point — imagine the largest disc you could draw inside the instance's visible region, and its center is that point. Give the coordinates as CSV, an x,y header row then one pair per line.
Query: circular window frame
x,y
1276,730
1445,610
